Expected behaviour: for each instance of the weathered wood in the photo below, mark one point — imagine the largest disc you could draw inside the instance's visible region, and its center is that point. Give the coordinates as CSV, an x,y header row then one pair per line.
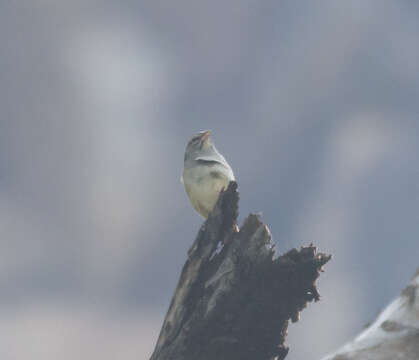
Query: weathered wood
x,y
393,335
234,298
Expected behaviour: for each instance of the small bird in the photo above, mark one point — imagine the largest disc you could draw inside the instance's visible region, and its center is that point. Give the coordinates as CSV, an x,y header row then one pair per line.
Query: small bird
x,y
205,173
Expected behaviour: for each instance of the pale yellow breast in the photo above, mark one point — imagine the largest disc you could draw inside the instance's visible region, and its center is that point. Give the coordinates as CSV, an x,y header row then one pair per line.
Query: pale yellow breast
x,y
203,185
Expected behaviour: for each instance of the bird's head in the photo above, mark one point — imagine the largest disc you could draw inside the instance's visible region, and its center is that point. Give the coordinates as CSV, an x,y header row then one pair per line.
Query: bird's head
x,y
199,144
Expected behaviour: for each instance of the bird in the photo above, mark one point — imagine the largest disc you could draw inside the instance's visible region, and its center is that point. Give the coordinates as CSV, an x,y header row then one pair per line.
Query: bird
x,y
205,173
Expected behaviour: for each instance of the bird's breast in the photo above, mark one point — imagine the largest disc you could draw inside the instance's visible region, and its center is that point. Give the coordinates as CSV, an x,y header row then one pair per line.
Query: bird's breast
x,y
203,184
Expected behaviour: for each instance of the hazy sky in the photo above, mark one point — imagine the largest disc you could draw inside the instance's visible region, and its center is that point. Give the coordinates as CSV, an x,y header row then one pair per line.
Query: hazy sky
x,y
314,104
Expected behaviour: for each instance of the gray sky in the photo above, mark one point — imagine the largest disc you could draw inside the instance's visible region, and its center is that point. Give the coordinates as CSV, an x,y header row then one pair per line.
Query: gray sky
x,y
314,104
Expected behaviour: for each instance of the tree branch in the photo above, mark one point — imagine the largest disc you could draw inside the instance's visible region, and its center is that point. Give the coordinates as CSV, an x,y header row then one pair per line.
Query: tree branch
x,y
234,298
393,335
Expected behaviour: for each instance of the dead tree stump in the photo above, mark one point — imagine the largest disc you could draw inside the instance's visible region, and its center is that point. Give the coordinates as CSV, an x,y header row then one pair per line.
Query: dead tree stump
x,y
234,297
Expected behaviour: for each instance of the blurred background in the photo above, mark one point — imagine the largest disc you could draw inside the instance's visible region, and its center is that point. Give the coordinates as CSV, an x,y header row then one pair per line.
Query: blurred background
x,y
314,104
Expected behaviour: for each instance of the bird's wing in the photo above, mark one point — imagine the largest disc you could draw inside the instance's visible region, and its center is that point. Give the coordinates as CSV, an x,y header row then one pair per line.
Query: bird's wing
x,y
212,159
217,160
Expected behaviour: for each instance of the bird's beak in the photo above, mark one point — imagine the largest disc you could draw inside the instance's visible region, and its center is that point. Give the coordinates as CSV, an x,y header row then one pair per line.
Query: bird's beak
x,y
205,136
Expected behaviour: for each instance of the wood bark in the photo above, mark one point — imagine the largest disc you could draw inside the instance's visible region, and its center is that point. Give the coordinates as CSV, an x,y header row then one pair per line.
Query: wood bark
x,y
235,297
394,335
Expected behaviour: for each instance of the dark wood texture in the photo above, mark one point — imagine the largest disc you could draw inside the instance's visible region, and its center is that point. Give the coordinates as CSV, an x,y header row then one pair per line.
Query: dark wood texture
x,y
235,297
